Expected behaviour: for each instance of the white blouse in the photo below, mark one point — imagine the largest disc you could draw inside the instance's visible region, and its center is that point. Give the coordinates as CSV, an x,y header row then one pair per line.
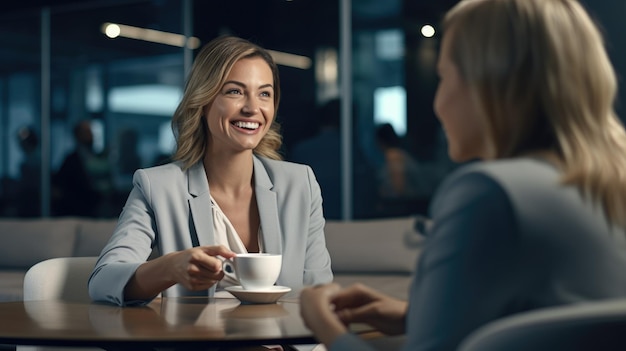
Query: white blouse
x,y
225,234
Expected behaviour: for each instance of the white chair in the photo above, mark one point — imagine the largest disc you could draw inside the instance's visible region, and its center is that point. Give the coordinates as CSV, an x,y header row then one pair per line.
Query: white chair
x,y
63,278
598,325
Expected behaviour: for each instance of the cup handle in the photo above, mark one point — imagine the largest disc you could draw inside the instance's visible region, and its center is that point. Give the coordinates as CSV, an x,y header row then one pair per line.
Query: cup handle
x,y
228,266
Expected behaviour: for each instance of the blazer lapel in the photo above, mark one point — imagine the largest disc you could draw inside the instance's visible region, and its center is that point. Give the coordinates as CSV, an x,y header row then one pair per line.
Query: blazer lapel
x,y
201,219
268,209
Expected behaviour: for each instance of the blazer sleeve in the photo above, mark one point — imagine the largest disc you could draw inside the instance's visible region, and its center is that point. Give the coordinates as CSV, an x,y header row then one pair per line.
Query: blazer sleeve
x,y
130,245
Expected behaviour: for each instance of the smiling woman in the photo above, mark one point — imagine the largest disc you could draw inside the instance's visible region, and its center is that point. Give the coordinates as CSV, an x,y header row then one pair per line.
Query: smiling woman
x,y
242,111
227,191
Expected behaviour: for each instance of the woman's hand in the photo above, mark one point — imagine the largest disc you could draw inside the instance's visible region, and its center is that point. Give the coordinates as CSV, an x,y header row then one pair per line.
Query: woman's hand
x,y
327,310
198,268
316,309
361,304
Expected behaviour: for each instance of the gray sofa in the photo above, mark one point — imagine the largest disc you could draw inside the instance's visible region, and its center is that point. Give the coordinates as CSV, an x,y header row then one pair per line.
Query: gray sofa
x,y
380,253
25,242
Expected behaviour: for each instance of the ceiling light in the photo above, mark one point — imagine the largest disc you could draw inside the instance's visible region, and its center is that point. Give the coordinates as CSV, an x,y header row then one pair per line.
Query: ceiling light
x,y
114,30
292,60
428,31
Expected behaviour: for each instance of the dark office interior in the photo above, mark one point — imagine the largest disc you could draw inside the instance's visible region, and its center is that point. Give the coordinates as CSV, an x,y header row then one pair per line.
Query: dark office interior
x,y
58,68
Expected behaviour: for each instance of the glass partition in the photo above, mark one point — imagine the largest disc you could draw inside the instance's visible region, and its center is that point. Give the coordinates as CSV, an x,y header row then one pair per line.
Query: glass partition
x,y
114,71
20,115
116,79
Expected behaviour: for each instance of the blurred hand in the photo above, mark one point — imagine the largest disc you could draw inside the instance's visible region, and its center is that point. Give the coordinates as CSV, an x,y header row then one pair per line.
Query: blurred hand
x,y
317,312
361,304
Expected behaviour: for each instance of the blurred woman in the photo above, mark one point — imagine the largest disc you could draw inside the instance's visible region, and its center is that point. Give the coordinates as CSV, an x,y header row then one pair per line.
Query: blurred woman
x,y
527,87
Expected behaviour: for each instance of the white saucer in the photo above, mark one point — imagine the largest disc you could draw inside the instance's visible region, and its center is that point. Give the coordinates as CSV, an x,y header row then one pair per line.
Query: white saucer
x,y
269,295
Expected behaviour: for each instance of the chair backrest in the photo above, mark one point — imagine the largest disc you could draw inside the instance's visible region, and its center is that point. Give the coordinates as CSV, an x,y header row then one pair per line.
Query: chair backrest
x,y
598,325
62,278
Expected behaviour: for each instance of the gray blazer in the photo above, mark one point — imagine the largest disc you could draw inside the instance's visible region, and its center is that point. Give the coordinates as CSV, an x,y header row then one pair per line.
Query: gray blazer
x,y
169,210
507,237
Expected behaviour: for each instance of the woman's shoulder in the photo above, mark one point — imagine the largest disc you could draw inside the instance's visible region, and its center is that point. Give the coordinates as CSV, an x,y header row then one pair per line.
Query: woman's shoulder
x,y
514,178
170,168
510,170
287,167
282,173
498,183
168,173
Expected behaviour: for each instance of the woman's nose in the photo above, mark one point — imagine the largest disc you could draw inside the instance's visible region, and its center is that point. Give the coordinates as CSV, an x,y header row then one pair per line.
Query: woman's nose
x,y
250,106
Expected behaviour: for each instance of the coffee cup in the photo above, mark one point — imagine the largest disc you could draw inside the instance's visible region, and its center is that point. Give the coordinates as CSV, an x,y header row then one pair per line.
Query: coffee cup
x,y
254,271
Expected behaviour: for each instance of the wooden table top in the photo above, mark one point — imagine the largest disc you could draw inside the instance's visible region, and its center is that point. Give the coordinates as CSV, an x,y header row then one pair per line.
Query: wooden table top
x,y
190,322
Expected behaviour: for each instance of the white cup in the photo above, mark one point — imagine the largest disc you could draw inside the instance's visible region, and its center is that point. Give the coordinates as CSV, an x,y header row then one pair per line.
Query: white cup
x,y
254,271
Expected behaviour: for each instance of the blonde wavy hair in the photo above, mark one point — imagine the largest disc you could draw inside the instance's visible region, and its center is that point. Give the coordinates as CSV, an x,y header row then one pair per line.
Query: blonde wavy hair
x,y
542,79
206,78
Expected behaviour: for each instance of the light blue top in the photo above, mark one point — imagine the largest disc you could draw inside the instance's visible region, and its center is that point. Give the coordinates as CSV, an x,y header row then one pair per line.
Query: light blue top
x,y
170,209
507,237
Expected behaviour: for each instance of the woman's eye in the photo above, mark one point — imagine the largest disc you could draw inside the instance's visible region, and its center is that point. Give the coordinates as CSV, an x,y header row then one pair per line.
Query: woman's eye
x,y
233,91
266,94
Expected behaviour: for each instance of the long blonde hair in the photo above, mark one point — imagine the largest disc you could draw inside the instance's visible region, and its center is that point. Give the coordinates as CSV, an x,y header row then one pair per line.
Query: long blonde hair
x,y
542,79
208,73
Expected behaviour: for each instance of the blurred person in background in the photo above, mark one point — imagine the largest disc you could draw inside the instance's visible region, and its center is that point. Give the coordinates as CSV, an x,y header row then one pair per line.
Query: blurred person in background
x,y
28,197
83,184
402,187
323,153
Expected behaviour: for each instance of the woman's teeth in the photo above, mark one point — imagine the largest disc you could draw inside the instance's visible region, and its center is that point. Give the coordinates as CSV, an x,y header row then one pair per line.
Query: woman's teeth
x,y
246,125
